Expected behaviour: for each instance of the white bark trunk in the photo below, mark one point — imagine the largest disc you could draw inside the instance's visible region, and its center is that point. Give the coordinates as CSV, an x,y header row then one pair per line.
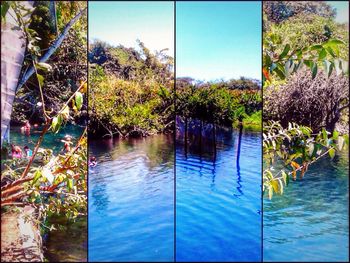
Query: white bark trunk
x,y
13,47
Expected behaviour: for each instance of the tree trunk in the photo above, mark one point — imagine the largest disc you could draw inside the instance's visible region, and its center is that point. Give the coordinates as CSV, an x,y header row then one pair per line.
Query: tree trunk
x,y
13,48
186,132
214,139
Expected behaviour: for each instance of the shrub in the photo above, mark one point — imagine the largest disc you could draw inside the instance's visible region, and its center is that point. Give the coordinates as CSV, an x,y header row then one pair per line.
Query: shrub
x,y
305,30
217,102
278,11
315,103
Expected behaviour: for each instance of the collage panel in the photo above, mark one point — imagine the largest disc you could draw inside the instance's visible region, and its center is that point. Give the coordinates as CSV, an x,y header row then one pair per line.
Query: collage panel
x,y
174,131
43,131
305,130
218,131
131,123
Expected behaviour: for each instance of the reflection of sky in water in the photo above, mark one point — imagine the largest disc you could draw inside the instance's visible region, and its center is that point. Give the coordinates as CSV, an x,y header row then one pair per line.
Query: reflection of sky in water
x,y
131,200
218,198
310,221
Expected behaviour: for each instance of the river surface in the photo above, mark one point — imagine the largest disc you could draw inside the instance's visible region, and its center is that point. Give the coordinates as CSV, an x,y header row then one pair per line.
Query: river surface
x,y
310,222
69,242
131,200
218,195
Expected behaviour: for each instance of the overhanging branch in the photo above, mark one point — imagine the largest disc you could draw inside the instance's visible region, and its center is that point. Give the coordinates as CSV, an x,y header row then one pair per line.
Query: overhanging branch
x,y
52,49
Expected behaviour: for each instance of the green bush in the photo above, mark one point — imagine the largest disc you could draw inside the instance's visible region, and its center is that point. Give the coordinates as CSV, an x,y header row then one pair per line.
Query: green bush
x,y
216,103
303,31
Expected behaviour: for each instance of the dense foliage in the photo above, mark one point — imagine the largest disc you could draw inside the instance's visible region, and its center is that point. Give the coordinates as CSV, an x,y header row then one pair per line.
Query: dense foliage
x,y
68,65
313,40
305,82
296,147
131,91
54,184
222,103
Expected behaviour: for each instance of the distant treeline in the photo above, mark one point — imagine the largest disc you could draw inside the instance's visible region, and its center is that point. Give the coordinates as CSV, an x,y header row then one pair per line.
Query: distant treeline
x,y
132,93
232,102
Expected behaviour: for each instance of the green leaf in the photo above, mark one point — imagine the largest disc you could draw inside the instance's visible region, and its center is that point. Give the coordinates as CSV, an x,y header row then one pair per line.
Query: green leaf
x,y
285,51
65,113
331,153
314,70
54,125
37,175
280,73
59,119
333,43
316,47
267,61
325,135
308,63
4,8
330,51
40,79
299,53
78,100
284,176
275,186
346,139
335,135
70,184
322,54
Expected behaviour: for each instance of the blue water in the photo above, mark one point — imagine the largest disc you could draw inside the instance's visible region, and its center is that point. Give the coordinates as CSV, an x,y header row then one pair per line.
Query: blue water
x,y
310,221
131,200
218,198
51,141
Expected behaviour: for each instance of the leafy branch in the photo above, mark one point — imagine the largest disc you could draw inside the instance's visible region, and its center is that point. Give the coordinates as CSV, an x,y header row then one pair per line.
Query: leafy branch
x,y
298,148
286,62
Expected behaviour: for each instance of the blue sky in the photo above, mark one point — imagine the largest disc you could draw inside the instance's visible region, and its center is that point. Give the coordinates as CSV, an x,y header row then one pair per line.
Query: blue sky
x,y
124,22
218,40
342,8
213,39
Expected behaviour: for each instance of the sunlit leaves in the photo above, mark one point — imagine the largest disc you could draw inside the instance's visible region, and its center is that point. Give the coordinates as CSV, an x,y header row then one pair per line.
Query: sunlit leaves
x,y
78,100
284,52
289,61
298,148
40,79
65,113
